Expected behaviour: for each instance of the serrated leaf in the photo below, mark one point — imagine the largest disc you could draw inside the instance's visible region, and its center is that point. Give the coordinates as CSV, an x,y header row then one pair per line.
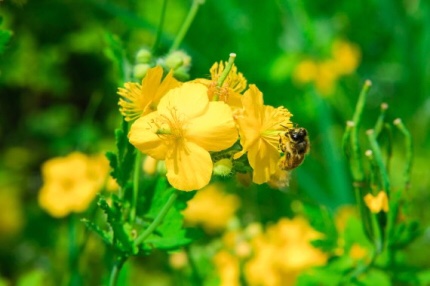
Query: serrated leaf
x,y
121,230
105,236
171,234
122,162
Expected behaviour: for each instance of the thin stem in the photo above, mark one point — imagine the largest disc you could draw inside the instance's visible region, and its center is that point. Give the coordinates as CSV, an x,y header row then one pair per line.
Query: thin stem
x,y
356,164
73,251
186,25
380,122
227,69
157,221
136,176
160,26
379,160
116,270
408,142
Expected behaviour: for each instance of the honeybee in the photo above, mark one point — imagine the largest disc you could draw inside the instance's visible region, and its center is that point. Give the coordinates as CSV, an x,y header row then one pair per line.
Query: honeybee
x,y
294,143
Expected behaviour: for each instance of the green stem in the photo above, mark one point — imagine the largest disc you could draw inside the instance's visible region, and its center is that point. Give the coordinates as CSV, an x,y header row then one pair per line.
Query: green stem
x,y
186,25
116,270
408,142
157,221
380,122
73,252
160,26
227,69
136,175
356,164
379,160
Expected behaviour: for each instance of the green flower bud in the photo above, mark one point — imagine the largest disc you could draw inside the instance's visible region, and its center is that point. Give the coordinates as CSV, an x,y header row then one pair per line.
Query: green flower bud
x,y
181,74
177,59
143,56
140,70
223,167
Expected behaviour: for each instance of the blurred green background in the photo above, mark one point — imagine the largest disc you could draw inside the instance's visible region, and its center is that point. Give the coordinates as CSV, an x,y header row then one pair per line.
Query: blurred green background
x,y
58,92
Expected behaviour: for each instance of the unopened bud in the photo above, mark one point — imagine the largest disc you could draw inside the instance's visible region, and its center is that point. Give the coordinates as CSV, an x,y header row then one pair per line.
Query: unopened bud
x,y
140,70
223,167
177,59
143,56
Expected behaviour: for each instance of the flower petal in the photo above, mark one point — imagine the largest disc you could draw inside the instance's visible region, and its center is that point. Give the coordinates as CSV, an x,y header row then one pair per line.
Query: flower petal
x,y
189,167
143,136
188,100
214,130
263,159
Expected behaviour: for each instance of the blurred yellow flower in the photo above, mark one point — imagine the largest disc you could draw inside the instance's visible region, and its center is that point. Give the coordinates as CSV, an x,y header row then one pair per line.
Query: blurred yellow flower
x,y
344,60
306,71
358,252
228,268
377,203
178,259
212,208
283,252
71,182
346,56
137,100
230,91
185,127
259,128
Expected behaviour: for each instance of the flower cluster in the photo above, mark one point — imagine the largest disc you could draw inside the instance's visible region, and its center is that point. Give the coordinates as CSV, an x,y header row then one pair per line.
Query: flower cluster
x,y
344,60
273,257
186,124
71,182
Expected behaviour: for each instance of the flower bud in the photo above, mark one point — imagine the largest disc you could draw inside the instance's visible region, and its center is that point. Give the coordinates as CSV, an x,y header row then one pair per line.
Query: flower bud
x,y
143,56
177,59
223,167
140,70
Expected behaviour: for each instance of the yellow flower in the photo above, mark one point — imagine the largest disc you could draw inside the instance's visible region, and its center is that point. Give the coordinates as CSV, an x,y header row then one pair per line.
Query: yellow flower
x,y
233,85
137,100
259,128
306,71
346,56
283,252
71,183
185,127
377,203
327,77
358,252
228,268
212,208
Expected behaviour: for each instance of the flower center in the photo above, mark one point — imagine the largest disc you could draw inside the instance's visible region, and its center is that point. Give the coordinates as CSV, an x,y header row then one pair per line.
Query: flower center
x,y
171,126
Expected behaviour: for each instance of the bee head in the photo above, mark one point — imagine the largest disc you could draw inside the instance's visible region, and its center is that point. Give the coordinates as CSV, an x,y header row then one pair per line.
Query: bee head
x,y
298,134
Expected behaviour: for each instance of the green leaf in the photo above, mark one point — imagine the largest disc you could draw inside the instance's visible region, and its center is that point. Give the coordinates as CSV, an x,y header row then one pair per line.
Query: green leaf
x,y
122,239
171,234
122,162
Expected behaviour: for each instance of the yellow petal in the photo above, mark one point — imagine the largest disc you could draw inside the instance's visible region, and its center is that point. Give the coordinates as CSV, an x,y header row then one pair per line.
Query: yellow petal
x,y
189,100
215,130
168,83
263,159
189,167
143,136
